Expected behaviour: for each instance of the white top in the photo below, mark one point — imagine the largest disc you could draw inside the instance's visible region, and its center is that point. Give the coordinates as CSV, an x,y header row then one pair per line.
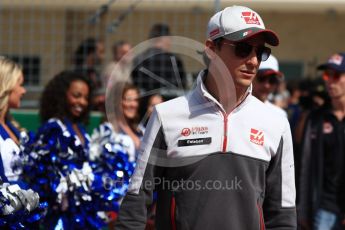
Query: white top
x,y
276,109
11,161
104,134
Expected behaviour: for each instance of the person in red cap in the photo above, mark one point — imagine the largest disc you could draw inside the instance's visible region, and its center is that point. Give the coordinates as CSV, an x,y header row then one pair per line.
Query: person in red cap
x,y
266,82
212,155
321,203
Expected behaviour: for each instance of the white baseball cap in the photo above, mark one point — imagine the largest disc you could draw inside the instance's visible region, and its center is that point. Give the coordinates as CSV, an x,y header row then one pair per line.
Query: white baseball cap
x,y
270,67
237,23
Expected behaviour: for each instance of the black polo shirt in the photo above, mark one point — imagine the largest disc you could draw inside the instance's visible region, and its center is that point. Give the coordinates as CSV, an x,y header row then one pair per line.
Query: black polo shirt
x,y
333,154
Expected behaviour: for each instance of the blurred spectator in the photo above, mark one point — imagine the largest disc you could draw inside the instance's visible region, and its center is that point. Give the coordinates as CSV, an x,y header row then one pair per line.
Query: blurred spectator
x,y
320,95
293,108
126,120
266,81
280,97
153,100
127,102
88,59
321,203
312,95
157,67
120,67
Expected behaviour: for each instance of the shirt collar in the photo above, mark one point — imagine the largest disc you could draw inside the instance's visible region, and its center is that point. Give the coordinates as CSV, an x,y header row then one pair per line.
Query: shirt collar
x,y
202,88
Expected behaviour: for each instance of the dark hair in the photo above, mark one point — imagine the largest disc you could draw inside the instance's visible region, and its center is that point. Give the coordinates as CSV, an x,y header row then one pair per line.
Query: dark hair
x,y
117,45
53,101
86,47
218,42
129,86
158,30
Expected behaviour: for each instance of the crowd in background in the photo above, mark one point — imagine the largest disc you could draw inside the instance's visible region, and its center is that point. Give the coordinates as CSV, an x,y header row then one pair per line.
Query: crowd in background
x,y
63,162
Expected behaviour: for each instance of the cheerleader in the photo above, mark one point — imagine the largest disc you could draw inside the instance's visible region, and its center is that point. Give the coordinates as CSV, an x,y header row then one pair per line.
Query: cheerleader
x,y
78,190
65,102
122,128
105,134
128,119
19,206
60,170
113,144
11,91
122,104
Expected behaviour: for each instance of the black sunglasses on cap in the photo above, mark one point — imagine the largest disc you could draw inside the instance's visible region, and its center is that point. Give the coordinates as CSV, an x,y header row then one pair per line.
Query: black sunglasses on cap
x,y
243,50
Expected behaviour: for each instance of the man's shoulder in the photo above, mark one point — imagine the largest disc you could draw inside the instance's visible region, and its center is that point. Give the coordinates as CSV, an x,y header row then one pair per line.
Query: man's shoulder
x,y
261,112
182,106
262,107
276,109
173,105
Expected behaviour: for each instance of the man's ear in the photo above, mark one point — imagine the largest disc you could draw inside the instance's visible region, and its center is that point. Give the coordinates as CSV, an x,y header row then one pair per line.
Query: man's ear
x,y
210,49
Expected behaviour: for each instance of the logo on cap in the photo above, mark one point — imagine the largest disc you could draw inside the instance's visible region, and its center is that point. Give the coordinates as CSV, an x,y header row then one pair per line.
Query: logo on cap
x,y
214,32
247,33
256,136
336,59
251,18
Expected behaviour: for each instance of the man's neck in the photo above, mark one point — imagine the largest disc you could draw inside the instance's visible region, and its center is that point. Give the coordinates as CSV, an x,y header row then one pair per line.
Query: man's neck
x,y
241,93
221,93
339,107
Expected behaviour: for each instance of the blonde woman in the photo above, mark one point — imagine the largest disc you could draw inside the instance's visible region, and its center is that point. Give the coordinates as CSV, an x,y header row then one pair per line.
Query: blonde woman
x,y
11,91
18,204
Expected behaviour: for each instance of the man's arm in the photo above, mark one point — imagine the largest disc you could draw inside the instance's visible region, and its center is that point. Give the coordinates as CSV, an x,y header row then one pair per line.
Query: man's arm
x,y
133,210
279,204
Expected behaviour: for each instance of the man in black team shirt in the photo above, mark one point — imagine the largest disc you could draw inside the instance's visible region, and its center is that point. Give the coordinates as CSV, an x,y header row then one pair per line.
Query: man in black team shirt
x,y
218,157
322,183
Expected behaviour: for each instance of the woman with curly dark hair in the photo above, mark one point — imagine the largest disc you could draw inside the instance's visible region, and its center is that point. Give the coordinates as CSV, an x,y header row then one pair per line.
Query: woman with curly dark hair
x,y
60,168
67,97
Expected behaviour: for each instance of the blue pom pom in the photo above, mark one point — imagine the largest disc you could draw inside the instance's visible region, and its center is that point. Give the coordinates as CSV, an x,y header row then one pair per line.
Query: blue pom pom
x,y
56,163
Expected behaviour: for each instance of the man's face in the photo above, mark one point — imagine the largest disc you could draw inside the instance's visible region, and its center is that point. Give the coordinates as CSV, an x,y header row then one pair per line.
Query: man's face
x,y
335,83
263,85
242,69
122,51
100,53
